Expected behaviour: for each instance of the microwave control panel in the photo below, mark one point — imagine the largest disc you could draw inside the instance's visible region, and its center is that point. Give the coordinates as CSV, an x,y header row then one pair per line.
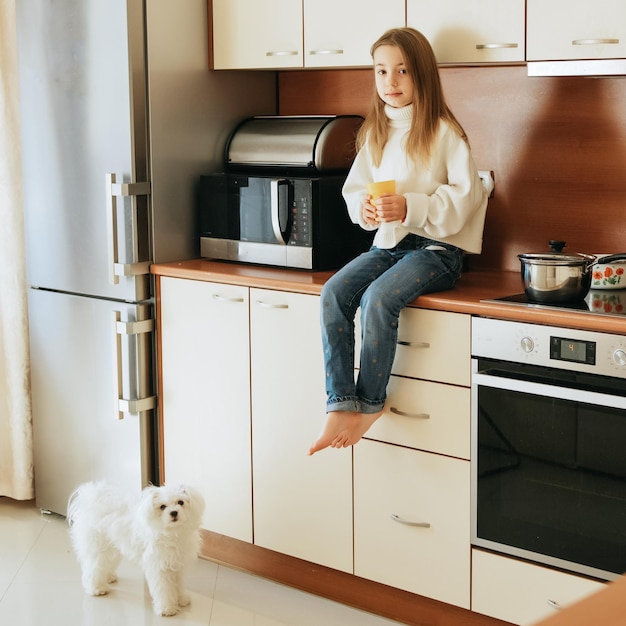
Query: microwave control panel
x,y
301,215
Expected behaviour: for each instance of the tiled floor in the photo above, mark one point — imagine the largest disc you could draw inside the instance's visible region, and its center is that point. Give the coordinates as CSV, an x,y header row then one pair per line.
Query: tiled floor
x,y
40,584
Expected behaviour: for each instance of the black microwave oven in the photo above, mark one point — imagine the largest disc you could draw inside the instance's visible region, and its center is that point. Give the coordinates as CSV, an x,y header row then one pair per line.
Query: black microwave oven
x,y
296,222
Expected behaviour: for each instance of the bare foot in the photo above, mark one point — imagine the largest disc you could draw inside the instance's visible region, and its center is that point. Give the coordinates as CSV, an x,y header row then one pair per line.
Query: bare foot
x,y
365,423
337,430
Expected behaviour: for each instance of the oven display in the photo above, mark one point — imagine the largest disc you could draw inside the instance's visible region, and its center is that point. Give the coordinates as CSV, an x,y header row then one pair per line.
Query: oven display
x,y
574,350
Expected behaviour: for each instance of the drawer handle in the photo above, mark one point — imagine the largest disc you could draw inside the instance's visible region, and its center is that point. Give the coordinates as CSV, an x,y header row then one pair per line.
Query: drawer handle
x,y
338,51
414,344
282,53
397,518
494,46
217,296
270,305
554,605
421,416
593,42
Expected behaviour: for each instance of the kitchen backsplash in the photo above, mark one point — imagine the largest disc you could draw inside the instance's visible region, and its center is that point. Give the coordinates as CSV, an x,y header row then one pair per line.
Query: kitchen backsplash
x,y
557,147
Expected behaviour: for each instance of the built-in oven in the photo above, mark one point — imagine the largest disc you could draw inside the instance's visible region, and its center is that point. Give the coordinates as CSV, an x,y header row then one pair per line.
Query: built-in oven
x,y
549,445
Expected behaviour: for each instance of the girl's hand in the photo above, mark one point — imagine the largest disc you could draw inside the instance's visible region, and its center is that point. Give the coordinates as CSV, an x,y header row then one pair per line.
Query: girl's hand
x,y
369,212
387,208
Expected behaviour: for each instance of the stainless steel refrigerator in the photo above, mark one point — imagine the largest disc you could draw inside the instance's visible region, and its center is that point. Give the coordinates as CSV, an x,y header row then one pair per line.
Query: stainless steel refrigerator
x,y
120,115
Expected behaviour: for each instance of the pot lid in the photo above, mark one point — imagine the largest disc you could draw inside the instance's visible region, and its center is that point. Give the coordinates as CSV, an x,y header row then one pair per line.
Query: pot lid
x,y
557,258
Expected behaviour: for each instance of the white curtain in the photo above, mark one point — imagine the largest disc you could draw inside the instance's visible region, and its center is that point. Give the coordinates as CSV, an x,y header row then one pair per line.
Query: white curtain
x,y
16,456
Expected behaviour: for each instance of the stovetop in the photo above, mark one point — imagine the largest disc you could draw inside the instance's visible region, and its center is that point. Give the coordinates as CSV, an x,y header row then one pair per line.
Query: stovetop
x,y
598,302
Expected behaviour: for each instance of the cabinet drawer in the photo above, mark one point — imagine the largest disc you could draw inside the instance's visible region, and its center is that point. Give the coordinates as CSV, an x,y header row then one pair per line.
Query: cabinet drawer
x,y
417,488
433,345
520,592
427,416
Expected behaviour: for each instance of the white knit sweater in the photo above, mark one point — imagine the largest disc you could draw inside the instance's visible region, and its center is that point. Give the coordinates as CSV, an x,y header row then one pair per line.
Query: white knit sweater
x,y
446,201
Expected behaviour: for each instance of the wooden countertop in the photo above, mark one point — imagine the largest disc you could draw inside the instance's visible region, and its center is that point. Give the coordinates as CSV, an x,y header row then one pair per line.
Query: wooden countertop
x,y
466,297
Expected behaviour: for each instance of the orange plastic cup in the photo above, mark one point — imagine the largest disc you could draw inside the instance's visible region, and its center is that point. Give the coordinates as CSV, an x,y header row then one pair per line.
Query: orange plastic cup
x,y
382,187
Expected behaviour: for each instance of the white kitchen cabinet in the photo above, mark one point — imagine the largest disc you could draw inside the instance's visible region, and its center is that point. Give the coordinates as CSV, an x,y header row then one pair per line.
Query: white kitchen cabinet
x,y
471,31
341,32
257,35
281,34
205,398
227,350
565,30
412,520
523,593
302,504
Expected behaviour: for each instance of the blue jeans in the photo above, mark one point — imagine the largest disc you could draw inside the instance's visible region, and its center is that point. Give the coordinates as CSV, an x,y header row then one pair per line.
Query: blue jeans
x,y
382,283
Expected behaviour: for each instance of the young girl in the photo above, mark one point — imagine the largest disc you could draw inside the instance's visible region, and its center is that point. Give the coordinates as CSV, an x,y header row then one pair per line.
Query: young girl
x,y
422,230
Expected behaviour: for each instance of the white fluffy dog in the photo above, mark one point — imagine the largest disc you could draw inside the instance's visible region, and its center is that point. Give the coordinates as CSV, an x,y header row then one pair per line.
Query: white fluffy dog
x,y
160,533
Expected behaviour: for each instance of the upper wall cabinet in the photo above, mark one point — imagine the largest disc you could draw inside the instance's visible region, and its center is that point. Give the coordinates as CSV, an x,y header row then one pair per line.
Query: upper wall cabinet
x,y
263,34
341,32
269,34
471,31
565,30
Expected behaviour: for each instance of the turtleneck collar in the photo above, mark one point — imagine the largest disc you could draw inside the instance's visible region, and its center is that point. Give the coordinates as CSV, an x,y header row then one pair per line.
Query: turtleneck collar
x,y
399,115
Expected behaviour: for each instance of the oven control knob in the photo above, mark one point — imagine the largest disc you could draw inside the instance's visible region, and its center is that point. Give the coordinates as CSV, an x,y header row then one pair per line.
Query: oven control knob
x,y
619,356
527,344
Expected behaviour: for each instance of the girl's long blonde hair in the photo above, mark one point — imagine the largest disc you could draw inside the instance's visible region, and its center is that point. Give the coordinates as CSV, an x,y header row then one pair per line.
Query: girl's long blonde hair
x,y
429,106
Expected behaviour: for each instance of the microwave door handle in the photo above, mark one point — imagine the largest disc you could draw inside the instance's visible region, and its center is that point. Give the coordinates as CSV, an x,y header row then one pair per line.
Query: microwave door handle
x,y
279,210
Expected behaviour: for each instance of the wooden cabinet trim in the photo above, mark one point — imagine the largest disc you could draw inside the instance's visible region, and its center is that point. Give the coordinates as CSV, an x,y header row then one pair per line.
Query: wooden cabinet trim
x,y
395,604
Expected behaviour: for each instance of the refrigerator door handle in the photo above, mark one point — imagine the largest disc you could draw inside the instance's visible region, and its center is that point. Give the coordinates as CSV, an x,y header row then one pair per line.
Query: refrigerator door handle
x,y
132,365
131,269
113,191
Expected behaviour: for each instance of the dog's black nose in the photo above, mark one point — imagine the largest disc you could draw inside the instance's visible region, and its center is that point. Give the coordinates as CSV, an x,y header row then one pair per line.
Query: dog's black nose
x,y
174,514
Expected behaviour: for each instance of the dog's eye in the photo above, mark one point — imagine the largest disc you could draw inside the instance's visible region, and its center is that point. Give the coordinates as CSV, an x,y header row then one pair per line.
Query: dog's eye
x,y
162,507
181,502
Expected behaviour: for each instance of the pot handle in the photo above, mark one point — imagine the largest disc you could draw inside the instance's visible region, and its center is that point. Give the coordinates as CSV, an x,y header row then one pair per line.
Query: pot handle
x,y
590,261
620,256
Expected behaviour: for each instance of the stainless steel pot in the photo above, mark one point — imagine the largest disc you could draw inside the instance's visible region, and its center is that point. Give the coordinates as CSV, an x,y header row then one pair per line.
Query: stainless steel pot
x,y
554,277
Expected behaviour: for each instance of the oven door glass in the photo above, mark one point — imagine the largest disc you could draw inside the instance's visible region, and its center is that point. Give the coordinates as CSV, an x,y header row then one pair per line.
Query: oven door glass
x,y
549,466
